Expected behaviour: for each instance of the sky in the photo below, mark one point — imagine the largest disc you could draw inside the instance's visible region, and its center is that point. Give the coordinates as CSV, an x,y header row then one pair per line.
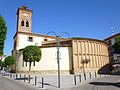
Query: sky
x,y
80,18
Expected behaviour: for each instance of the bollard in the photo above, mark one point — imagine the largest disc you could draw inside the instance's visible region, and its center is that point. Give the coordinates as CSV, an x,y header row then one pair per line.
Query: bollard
x,y
90,75
10,75
75,80
29,78
95,74
20,77
24,78
42,82
100,75
16,76
35,80
80,78
13,76
84,76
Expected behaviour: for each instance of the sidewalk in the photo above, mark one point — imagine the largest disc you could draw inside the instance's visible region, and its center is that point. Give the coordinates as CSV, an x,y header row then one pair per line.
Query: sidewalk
x,y
50,81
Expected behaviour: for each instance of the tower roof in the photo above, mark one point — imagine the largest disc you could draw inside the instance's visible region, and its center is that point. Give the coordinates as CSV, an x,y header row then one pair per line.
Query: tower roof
x,y
25,8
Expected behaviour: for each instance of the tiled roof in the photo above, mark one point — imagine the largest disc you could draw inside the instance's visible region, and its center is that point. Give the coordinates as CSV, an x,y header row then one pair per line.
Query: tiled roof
x,y
110,37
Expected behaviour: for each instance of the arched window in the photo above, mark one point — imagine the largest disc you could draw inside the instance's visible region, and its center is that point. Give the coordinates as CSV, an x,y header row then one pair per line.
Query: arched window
x,y
27,24
22,23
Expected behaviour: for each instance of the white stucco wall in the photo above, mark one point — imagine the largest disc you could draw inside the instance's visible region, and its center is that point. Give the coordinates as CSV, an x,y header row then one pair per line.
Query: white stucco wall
x,y
112,41
48,60
23,41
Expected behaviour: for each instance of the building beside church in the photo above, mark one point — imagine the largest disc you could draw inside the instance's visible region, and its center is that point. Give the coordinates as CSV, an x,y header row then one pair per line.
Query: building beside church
x,y
72,51
113,57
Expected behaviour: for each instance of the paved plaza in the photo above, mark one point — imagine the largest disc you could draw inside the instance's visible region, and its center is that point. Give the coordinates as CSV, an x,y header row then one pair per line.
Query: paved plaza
x,y
49,83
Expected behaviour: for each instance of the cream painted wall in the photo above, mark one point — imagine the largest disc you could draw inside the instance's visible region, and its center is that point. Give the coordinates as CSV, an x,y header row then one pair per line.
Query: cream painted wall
x,y
48,60
93,50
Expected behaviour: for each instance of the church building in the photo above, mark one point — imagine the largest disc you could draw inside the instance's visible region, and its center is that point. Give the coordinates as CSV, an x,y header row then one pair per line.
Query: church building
x,y
72,51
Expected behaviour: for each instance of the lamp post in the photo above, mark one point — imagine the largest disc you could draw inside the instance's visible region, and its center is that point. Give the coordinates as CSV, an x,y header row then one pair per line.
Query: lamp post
x,y
58,52
58,60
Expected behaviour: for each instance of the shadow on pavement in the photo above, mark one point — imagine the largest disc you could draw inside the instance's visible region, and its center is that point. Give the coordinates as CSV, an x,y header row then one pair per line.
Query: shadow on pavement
x,y
48,84
106,84
23,78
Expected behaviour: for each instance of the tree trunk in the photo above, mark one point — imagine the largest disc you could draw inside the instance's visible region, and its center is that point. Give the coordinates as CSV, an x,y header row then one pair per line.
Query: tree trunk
x,y
83,69
84,72
30,66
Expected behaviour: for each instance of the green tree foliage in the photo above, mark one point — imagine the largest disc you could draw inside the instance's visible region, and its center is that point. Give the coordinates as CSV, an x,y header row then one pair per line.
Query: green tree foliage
x,y
0,62
31,54
116,46
3,30
10,60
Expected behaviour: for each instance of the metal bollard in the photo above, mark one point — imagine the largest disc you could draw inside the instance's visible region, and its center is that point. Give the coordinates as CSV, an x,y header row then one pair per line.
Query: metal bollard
x,y
80,78
90,75
42,82
29,78
10,75
20,77
35,80
95,74
84,76
24,78
75,80
16,76
13,76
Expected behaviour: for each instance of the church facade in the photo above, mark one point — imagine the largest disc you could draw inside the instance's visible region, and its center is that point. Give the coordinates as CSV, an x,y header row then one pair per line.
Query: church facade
x,y
72,51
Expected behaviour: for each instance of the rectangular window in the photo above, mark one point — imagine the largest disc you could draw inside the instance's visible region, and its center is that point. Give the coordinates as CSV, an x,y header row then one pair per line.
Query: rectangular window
x,y
109,42
30,39
45,40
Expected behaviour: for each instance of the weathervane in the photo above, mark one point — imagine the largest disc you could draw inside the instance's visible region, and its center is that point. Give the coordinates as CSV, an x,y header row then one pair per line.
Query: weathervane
x,y
24,2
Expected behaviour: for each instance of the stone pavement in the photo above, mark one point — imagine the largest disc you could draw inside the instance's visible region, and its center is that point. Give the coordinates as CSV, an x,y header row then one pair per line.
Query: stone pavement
x,y
50,81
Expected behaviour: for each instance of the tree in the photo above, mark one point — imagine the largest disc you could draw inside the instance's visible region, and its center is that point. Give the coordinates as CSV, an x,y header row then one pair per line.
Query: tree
x,y
83,62
31,54
10,60
2,64
3,30
116,46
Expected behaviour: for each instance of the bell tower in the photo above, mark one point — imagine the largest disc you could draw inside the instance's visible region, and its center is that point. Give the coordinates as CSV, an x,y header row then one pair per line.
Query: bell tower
x,y
24,19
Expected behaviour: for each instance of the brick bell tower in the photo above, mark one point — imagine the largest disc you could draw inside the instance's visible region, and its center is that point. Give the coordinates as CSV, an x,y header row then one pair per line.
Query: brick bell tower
x,y
24,19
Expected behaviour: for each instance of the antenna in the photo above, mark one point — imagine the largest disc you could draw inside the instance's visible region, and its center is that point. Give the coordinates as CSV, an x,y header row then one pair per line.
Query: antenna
x,y
111,26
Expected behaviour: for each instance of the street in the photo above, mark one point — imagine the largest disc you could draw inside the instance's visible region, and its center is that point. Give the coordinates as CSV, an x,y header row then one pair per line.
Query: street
x,y
8,84
105,83
110,82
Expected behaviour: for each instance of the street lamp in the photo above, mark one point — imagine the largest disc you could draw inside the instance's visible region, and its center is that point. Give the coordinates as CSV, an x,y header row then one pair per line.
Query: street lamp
x,y
58,51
